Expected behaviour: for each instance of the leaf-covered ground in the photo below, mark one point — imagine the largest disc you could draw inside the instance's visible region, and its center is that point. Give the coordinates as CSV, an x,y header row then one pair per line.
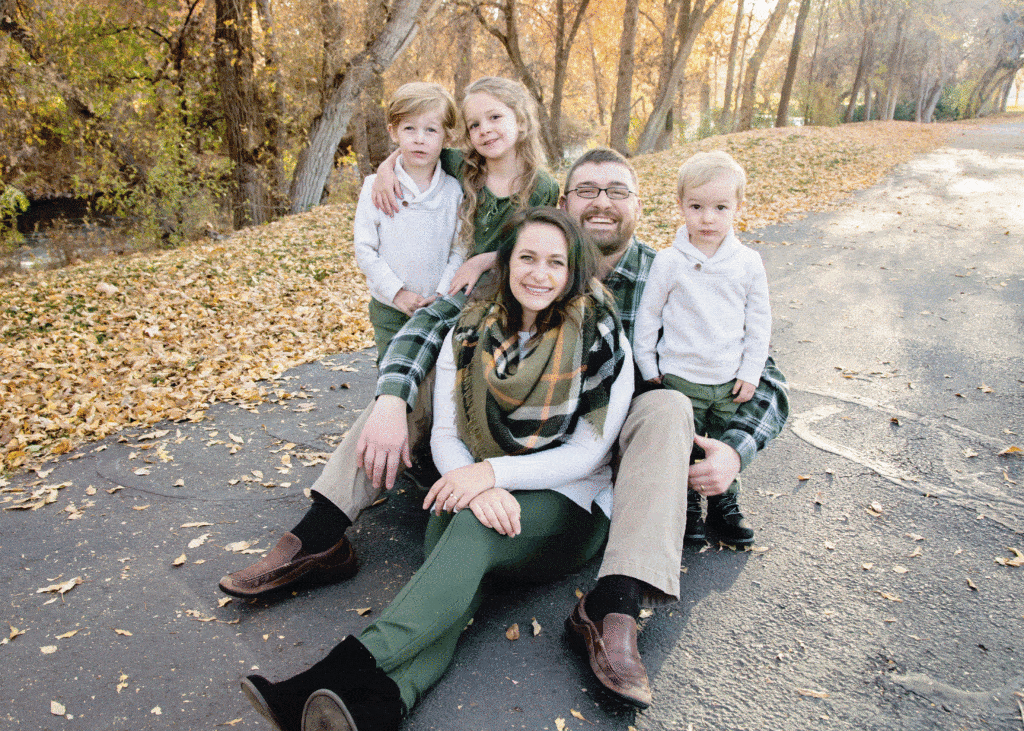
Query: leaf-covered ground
x,y
91,349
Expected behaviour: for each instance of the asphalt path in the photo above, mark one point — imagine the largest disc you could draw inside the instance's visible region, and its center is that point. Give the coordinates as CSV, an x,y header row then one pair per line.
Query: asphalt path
x,y
881,594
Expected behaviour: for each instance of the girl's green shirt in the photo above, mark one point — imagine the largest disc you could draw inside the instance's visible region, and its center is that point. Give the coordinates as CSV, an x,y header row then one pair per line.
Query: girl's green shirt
x,y
491,211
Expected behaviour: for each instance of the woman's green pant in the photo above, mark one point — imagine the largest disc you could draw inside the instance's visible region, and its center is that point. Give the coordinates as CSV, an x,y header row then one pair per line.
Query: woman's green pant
x,y
414,639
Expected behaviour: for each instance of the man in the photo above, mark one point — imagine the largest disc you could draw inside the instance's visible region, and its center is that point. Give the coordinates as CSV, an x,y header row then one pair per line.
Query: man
x,y
645,542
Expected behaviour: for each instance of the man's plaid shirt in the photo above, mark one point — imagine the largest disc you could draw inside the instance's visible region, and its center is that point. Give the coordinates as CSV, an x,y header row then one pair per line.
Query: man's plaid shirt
x,y
414,351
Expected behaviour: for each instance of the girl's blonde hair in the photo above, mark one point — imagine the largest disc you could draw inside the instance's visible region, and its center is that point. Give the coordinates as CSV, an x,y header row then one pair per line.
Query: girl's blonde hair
x,y
418,97
528,150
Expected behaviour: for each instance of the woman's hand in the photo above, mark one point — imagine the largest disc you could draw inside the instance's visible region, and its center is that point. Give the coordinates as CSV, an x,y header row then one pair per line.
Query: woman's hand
x,y
387,190
456,489
497,508
470,271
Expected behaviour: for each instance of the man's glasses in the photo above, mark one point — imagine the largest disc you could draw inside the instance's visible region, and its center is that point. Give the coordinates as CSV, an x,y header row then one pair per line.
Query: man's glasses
x,y
590,192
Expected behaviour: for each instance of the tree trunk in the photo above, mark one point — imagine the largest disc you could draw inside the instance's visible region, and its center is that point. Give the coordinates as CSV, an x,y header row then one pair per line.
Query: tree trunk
x,y
275,120
565,36
746,119
464,64
251,199
689,23
862,72
618,135
782,117
894,66
372,104
725,120
596,69
316,160
822,27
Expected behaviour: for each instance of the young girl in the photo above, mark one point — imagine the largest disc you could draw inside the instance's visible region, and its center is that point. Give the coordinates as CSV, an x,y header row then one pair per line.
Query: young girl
x,y
524,440
500,165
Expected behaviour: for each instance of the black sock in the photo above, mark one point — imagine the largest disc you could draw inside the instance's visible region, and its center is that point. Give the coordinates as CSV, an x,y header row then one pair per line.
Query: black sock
x,y
323,525
615,593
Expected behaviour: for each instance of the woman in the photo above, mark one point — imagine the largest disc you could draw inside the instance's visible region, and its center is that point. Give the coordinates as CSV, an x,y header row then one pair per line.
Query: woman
x,y
533,385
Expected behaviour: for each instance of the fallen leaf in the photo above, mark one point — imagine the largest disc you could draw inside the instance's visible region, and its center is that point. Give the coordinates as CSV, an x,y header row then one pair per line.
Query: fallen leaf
x,y
237,546
984,389
15,632
576,714
61,589
512,633
895,420
1014,562
890,597
1012,450
803,478
48,650
916,552
559,724
180,560
224,601
57,709
812,693
142,471
123,632
140,507
232,722
969,453
900,569
915,537
156,711
179,483
536,627
830,546
122,684
197,542
867,566
72,633
235,439
202,524
875,509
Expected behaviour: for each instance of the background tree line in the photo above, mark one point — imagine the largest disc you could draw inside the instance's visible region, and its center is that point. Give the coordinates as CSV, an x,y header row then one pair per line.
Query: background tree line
x,y
169,112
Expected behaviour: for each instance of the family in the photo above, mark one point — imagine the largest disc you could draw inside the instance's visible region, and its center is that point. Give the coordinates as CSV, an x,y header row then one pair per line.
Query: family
x,y
565,376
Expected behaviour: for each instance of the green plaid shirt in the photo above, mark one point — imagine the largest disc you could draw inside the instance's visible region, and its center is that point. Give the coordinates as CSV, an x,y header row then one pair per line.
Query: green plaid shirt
x,y
414,351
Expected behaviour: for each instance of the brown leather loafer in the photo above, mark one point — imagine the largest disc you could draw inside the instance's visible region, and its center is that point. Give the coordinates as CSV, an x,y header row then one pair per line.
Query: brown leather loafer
x,y
611,649
287,564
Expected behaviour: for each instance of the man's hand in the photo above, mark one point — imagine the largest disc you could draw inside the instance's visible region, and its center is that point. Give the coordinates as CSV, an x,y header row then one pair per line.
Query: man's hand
x,y
743,391
714,474
656,381
457,488
384,442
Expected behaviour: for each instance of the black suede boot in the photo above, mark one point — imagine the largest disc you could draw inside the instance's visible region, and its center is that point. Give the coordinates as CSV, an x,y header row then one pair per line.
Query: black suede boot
x,y
282,703
727,522
370,702
695,531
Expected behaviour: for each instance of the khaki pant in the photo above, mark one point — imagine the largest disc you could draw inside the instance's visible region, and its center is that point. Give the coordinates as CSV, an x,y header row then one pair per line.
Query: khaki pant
x,y
649,513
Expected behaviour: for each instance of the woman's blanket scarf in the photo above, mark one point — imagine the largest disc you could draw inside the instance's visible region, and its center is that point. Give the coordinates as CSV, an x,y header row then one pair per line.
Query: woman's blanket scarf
x,y
516,399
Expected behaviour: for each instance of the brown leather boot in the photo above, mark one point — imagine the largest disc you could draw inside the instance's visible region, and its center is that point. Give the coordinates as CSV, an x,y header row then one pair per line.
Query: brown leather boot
x,y
287,564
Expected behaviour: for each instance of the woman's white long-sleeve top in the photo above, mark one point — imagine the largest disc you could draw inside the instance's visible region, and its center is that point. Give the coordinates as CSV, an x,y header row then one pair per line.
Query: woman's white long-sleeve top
x,y
579,468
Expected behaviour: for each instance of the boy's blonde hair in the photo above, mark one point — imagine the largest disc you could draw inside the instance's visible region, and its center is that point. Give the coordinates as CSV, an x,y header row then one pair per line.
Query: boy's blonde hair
x,y
418,97
702,168
528,150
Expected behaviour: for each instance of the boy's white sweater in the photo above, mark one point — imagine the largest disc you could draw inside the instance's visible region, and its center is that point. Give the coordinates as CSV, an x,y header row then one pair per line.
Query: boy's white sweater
x,y
416,248
715,313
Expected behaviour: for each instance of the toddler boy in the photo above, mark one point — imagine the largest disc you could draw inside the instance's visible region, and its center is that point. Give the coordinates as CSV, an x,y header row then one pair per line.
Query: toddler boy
x,y
708,294
411,257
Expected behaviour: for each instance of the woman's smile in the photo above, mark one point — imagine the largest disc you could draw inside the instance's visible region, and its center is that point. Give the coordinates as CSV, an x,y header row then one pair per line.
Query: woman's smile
x,y
538,270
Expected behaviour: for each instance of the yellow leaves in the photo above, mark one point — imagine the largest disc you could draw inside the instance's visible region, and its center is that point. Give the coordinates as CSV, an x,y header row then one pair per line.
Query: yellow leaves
x,y
1012,450
122,632
1018,559
874,509
808,693
62,588
576,714
57,709
512,633
180,560
536,626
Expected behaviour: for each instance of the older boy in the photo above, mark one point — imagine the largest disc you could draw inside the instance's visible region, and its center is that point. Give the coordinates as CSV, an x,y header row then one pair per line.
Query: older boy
x,y
708,296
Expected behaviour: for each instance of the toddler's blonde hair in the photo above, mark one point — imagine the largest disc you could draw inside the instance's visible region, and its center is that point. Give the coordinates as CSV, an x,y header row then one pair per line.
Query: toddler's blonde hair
x,y
702,168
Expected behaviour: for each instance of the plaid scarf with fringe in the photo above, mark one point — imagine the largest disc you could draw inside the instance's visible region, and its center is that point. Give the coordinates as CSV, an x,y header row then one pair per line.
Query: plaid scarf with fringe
x,y
514,399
